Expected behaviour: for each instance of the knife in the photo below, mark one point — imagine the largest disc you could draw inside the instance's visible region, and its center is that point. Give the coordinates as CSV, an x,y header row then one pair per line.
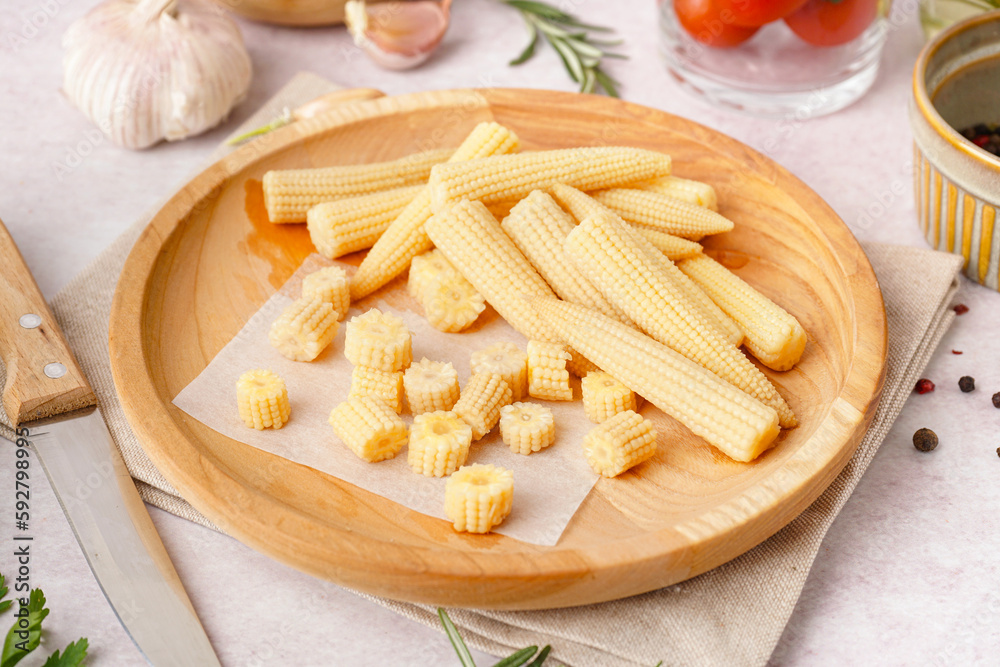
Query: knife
x,y
46,388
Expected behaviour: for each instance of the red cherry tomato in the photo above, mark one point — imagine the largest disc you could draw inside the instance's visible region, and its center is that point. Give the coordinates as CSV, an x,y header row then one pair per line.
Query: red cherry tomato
x,y
703,21
758,12
832,22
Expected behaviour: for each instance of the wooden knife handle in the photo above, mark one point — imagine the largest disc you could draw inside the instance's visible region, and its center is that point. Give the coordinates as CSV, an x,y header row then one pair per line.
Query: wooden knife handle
x,y
43,377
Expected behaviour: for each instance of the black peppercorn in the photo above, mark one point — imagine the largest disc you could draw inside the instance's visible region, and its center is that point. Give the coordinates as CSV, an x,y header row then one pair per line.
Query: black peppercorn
x,y
966,383
925,439
996,400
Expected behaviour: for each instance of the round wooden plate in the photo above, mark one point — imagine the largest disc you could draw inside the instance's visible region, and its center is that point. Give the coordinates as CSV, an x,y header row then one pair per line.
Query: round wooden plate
x,y
208,260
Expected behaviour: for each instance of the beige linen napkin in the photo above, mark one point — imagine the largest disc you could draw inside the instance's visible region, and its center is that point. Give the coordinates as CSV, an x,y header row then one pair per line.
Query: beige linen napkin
x,y
733,615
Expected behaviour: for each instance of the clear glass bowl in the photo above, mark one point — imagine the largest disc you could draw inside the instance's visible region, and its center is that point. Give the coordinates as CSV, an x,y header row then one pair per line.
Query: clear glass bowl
x,y
775,72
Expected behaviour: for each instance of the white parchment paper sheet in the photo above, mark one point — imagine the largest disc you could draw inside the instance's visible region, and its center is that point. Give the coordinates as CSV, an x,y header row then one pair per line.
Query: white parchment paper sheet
x,y
548,485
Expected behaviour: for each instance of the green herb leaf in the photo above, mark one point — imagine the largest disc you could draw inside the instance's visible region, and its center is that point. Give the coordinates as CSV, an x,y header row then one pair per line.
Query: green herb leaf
x,y
24,637
518,658
538,661
72,655
580,54
5,605
464,656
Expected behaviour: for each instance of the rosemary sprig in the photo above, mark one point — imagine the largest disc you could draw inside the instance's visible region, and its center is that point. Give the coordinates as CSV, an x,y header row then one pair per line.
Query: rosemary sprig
x,y
580,52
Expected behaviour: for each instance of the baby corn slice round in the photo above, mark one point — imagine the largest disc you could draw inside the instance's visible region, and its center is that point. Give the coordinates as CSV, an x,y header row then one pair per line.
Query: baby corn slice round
x,y
507,360
548,378
480,402
369,428
262,399
604,396
622,442
332,285
431,386
378,340
527,427
478,498
304,329
439,443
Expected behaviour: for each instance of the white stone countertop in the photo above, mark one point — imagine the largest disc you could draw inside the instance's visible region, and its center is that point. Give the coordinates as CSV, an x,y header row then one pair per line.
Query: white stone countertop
x,y
909,573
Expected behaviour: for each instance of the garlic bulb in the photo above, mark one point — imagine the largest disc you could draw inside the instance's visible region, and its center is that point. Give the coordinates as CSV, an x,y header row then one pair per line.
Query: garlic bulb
x,y
144,70
398,35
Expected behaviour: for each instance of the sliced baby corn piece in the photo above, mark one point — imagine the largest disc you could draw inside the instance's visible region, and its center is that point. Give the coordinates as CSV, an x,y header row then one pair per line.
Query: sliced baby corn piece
x,y
332,285
480,402
369,428
694,192
604,396
451,304
424,267
674,247
506,360
262,399
385,386
304,329
619,443
405,238
344,226
538,227
431,386
548,378
290,193
478,498
511,177
738,424
475,244
772,335
663,213
527,427
650,293
378,340
439,443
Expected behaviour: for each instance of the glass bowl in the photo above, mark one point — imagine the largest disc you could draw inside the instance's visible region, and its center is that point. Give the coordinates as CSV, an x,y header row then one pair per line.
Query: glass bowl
x,y
775,71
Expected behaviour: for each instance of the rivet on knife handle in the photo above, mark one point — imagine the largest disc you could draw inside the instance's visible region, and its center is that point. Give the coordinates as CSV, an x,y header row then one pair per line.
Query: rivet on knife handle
x,y
43,378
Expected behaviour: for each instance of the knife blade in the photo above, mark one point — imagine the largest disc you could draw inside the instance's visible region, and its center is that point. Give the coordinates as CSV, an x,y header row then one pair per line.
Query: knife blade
x,y
46,387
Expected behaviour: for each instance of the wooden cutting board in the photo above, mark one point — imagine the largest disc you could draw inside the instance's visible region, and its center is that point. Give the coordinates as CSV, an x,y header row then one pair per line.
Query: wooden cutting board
x,y
209,259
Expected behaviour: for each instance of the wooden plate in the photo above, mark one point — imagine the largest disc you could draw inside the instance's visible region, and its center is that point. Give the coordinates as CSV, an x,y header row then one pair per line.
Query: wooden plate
x,y
208,261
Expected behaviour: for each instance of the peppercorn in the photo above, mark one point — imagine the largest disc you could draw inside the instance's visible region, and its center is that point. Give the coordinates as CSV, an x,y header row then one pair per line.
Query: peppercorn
x,y
996,400
956,352
925,439
961,309
924,386
998,451
966,383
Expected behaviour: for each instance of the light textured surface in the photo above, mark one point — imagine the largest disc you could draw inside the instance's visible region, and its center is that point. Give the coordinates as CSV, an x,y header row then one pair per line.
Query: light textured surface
x,y
907,573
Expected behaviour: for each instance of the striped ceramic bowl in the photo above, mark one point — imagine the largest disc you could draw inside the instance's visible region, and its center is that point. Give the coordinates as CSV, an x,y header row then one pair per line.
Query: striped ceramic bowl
x,y
956,84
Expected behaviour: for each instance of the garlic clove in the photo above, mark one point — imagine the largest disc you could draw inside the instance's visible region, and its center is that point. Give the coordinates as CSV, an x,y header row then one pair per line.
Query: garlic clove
x,y
398,35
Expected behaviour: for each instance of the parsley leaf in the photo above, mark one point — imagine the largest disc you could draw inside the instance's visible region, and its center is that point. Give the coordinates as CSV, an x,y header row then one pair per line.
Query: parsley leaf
x,y
26,633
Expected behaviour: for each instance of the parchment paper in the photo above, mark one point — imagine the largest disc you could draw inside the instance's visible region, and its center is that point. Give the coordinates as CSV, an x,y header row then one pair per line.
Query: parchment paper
x,y
548,485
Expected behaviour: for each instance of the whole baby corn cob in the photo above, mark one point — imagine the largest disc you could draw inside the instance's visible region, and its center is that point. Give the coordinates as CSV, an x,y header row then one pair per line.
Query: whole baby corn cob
x,y
548,378
539,227
344,226
622,442
580,205
527,427
649,292
511,177
604,396
332,285
369,428
262,400
304,329
290,193
386,386
439,443
480,402
506,360
475,244
431,386
378,340
694,192
666,214
478,498
771,334
738,424
405,238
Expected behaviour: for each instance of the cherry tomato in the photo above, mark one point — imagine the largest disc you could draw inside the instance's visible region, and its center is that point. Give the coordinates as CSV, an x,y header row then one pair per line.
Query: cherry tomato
x,y
758,12
703,21
832,22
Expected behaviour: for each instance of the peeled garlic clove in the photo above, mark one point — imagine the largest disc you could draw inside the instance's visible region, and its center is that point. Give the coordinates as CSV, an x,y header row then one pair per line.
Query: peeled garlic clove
x,y
144,70
398,35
